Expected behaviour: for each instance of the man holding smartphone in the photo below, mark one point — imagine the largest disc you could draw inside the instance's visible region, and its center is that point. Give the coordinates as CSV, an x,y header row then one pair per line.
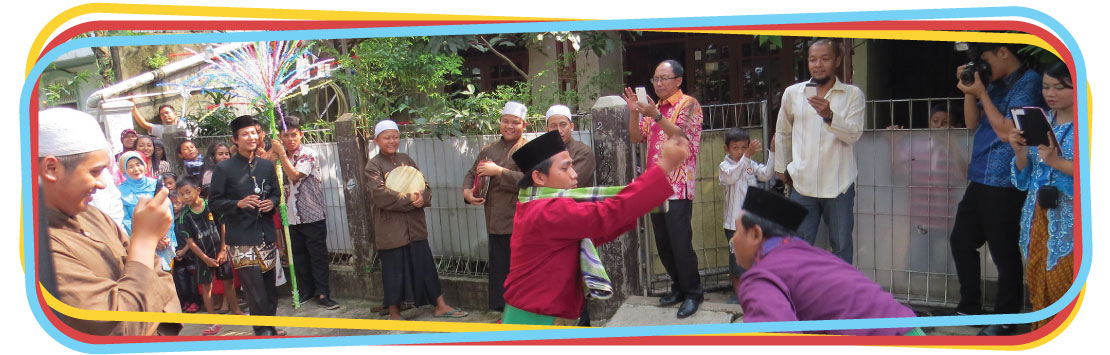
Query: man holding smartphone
x,y
243,193
990,211
818,125
676,114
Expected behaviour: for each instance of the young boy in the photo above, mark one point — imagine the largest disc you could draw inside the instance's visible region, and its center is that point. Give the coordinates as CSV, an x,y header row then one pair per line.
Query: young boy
x,y
738,171
789,280
545,283
191,158
184,265
199,226
169,181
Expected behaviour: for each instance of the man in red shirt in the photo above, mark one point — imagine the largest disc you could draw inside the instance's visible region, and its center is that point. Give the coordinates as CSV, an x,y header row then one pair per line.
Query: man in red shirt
x,y
544,285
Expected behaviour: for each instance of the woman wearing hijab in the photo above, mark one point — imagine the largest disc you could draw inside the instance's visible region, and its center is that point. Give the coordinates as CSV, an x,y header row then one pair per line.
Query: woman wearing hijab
x,y
128,138
139,186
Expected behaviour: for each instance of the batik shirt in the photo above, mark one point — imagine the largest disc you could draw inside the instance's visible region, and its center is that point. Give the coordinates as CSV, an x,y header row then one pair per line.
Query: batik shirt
x,y
685,112
306,198
1037,174
990,157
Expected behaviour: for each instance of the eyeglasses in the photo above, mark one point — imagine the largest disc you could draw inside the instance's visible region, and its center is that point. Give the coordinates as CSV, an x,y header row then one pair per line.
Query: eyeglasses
x,y
658,79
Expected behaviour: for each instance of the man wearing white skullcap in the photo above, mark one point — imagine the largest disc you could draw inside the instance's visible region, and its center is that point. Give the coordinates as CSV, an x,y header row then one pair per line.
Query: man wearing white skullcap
x,y
73,153
495,169
558,119
401,233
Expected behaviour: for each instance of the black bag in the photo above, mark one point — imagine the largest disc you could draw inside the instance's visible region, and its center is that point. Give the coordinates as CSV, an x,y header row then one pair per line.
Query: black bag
x,y
1048,197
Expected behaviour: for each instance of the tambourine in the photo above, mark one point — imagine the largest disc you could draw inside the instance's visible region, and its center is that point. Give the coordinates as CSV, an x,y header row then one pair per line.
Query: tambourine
x,y
405,180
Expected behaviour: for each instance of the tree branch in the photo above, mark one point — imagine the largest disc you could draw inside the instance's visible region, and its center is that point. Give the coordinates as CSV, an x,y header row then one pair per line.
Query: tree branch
x,y
502,56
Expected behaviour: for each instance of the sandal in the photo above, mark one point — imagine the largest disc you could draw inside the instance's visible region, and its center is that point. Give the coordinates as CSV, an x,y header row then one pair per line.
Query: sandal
x,y
454,313
212,329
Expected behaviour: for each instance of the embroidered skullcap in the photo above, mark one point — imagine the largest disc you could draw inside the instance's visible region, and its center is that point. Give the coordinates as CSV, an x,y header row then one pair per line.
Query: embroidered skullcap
x,y
558,110
515,109
385,125
65,131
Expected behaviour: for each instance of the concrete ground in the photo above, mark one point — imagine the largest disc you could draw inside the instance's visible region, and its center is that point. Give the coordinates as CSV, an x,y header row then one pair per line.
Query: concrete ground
x,y
643,311
636,311
350,308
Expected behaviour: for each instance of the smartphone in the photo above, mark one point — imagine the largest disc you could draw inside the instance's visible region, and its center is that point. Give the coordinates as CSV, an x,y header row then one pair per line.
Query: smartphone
x,y
158,186
811,89
641,95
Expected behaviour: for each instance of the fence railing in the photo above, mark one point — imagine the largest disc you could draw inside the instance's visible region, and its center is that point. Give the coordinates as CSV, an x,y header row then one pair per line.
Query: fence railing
x,y
912,113
709,243
456,230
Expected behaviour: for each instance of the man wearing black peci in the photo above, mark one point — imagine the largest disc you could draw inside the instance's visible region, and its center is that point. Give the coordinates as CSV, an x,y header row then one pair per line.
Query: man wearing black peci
x,y
244,192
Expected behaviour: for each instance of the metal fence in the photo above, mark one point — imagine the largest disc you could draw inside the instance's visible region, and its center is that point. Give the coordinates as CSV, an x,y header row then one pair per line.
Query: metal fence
x,y
709,242
456,230
910,182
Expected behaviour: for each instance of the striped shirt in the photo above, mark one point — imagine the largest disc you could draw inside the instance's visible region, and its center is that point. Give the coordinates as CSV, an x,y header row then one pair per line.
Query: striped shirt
x,y
819,156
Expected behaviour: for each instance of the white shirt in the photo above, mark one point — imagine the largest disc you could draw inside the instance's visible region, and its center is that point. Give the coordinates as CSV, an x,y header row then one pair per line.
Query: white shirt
x,y
819,156
736,176
158,129
108,199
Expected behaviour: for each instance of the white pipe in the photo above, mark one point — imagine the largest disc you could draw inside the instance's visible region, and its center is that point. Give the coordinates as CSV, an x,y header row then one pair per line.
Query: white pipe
x,y
97,97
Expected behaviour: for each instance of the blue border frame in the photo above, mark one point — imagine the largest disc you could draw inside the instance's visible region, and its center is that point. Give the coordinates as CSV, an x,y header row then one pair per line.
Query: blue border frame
x,y
1021,12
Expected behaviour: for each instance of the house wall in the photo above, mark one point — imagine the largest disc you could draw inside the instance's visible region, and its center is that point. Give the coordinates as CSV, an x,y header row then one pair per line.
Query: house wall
x,y
148,106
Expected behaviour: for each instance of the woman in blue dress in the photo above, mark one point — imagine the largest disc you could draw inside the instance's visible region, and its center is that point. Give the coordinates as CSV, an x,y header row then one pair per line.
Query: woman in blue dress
x,y
1047,218
138,186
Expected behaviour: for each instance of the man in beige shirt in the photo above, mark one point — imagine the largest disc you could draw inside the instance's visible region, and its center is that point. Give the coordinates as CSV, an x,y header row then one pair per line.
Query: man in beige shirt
x,y
97,267
495,162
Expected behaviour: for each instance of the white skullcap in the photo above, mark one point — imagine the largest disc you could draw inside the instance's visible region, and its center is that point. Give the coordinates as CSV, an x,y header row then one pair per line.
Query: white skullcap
x,y
515,108
65,131
558,110
385,125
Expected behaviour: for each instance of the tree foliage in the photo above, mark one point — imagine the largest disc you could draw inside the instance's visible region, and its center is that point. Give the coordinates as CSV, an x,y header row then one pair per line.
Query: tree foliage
x,y
68,87
407,79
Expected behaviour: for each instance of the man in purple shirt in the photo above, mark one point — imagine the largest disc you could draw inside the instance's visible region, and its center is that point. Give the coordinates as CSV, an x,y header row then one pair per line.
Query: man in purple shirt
x,y
789,280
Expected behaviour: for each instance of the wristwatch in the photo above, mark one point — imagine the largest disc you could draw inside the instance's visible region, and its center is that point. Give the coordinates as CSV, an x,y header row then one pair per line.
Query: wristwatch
x,y
657,118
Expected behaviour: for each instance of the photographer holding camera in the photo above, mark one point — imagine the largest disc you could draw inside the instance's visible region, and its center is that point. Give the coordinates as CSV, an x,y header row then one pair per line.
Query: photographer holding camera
x,y
990,210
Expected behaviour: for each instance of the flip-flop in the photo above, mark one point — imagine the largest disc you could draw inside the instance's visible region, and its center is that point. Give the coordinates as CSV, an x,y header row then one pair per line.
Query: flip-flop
x,y
454,313
279,332
212,329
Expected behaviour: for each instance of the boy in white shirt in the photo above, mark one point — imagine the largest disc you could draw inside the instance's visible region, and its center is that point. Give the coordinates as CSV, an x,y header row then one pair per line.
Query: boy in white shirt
x,y
737,172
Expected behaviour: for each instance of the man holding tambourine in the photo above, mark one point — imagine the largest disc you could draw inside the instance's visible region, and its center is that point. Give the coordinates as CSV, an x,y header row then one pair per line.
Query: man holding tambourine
x,y
400,194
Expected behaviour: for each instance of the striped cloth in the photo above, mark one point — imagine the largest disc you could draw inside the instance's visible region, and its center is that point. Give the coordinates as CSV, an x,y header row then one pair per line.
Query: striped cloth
x,y
596,281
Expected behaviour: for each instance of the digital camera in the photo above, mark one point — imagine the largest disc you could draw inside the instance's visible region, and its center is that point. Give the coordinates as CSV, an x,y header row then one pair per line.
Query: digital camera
x,y
974,66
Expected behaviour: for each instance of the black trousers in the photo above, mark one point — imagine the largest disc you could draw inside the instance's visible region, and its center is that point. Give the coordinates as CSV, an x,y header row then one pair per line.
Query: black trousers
x,y
409,275
261,293
991,215
310,257
498,269
185,279
673,241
